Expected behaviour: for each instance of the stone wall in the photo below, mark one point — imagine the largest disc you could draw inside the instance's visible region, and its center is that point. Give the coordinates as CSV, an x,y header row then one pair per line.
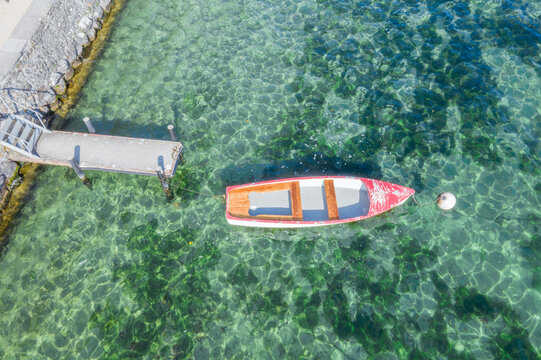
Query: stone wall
x,y
56,47
48,60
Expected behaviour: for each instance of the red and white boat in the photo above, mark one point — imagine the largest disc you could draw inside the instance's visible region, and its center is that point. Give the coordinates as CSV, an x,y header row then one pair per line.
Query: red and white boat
x,y
311,201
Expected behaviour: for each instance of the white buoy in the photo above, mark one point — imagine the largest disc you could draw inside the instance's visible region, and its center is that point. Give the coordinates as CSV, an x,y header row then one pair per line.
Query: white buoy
x,y
446,201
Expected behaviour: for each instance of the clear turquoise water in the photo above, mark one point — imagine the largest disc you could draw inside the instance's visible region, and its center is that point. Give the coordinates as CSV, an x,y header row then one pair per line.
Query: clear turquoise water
x,y
438,96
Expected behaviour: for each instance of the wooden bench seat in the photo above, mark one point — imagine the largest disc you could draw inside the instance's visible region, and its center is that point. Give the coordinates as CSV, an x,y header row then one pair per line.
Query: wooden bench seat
x,y
296,205
330,194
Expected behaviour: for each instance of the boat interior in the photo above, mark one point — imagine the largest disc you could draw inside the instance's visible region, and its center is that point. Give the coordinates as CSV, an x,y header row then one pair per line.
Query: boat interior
x,y
307,200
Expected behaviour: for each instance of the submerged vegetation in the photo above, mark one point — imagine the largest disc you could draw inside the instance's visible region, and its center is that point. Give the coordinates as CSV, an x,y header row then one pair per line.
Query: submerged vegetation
x,y
433,95
170,303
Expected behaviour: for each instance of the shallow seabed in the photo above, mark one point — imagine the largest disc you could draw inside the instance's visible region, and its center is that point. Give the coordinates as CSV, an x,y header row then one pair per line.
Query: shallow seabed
x,y
436,95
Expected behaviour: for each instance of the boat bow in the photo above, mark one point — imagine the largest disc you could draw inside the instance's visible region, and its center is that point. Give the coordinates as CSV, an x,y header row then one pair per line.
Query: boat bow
x,y
385,196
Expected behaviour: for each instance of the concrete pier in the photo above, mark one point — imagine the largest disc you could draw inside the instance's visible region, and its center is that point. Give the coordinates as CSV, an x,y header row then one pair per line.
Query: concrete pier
x,y
105,153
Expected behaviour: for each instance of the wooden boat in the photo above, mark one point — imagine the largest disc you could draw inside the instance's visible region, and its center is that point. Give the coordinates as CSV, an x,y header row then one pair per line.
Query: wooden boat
x,y
311,201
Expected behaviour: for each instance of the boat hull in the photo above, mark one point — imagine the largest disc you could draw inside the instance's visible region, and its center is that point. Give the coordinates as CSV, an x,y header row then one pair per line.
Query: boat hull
x,y
311,201
282,224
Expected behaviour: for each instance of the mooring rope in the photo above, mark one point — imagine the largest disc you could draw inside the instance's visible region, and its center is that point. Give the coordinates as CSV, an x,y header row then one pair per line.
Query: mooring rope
x,y
197,192
414,199
176,152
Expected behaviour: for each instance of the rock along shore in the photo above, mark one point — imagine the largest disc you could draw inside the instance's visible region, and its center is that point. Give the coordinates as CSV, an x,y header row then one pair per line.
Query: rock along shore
x,y
42,54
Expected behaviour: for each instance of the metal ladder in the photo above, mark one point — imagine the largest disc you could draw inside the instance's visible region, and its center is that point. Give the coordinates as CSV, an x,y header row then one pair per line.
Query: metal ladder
x,y
19,132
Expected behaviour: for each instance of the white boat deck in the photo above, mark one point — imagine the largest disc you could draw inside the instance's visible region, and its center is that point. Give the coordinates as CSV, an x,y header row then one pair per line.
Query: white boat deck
x,y
351,199
314,201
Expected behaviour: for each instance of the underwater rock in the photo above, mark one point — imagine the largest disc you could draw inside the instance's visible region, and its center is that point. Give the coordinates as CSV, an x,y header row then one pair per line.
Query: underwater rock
x,y
497,260
242,275
61,340
354,350
200,352
286,335
278,352
306,338
49,350
232,348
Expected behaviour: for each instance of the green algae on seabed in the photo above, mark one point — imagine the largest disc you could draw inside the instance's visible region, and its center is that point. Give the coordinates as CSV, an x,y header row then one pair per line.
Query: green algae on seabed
x,y
434,95
165,296
14,198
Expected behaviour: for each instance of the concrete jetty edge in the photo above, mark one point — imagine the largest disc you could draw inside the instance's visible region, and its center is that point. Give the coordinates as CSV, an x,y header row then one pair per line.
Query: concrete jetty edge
x,y
15,184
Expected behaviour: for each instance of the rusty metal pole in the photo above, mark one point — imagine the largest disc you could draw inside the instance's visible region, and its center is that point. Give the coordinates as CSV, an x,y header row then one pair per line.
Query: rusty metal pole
x,y
165,185
171,129
89,125
80,174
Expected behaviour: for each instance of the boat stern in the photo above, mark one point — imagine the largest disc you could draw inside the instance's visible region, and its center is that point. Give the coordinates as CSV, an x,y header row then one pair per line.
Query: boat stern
x,y
227,214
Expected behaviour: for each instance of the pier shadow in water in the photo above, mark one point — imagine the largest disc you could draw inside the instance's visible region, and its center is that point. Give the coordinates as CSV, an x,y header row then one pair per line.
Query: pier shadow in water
x,y
120,127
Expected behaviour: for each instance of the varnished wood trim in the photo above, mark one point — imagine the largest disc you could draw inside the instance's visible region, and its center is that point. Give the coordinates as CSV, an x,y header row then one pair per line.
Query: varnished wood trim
x,y
296,205
330,194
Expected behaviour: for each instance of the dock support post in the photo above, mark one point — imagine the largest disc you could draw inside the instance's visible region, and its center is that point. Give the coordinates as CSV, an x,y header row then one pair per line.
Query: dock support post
x,y
165,185
89,125
171,129
80,173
